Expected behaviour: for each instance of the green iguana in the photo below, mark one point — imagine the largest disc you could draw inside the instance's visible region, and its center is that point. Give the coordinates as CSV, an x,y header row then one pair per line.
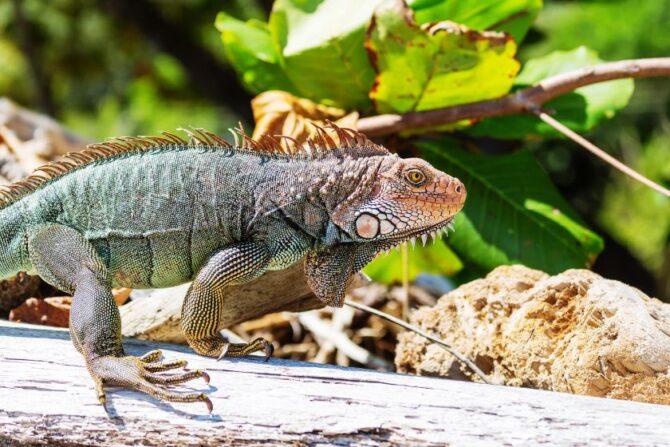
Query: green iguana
x,y
150,212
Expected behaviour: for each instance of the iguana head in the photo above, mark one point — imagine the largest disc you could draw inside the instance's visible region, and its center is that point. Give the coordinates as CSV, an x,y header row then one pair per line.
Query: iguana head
x,y
389,201
401,199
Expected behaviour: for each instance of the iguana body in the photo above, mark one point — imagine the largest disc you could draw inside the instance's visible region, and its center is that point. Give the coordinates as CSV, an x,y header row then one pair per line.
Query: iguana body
x,y
161,211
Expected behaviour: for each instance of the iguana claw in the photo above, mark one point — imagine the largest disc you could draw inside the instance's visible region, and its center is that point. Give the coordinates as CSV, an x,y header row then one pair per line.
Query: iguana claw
x,y
269,349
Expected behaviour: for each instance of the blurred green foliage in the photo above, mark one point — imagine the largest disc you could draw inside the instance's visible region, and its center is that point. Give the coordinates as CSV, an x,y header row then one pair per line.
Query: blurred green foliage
x,y
313,49
616,29
434,258
106,77
636,215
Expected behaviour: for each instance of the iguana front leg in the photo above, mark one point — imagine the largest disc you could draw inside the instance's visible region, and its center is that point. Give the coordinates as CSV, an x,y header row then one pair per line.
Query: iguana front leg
x,y
201,312
66,260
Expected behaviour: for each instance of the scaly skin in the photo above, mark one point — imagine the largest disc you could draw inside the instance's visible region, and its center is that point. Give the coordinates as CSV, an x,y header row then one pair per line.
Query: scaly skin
x,y
160,212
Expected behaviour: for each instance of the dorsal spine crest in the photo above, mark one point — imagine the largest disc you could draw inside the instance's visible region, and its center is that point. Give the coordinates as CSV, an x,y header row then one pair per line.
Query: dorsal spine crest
x,y
349,142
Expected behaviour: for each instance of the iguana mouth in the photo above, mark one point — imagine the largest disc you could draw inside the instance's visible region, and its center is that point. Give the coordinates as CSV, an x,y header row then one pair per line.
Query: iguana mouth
x,y
434,231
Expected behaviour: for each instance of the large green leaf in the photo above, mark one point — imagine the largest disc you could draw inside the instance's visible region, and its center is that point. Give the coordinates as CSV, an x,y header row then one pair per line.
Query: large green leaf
x,y
513,212
310,48
436,66
512,16
580,110
250,49
321,42
436,258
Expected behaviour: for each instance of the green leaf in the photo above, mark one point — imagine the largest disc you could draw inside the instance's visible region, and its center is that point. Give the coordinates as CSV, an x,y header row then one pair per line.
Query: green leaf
x,y
513,213
321,43
580,110
512,16
436,66
473,248
585,237
436,258
250,50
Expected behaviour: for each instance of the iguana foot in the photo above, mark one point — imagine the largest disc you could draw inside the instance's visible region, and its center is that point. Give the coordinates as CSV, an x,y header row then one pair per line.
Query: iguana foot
x,y
139,373
218,347
242,349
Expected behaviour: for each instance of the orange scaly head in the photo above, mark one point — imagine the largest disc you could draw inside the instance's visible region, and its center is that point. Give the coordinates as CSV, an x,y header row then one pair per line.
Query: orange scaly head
x,y
409,198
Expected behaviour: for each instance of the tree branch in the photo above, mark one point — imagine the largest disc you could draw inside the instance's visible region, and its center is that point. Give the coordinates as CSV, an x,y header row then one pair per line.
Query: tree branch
x,y
521,101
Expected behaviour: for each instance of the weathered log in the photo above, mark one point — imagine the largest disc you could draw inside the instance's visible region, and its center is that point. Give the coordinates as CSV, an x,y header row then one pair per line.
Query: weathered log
x,y
47,398
285,290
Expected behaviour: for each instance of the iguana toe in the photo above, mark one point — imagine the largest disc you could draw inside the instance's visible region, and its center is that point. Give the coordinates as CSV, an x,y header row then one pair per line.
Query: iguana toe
x,y
152,356
174,379
165,366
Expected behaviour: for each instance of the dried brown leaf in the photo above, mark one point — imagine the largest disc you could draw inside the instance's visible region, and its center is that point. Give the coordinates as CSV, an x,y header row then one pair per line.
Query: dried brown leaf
x,y
280,113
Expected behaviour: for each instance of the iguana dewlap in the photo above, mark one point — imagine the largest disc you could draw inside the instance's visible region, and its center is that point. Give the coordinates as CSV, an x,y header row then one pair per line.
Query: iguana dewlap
x,y
153,212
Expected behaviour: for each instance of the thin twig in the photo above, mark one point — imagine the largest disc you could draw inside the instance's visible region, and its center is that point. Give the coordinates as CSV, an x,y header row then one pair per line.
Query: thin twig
x,y
424,334
601,153
521,101
405,281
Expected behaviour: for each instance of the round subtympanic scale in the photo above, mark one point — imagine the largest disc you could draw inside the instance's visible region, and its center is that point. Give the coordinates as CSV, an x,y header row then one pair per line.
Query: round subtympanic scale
x,y
387,227
367,226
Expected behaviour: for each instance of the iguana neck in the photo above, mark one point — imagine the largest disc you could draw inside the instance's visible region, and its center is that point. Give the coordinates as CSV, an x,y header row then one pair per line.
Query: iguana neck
x,y
310,194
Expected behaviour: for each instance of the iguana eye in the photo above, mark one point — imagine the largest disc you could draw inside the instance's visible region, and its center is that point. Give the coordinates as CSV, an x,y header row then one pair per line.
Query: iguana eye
x,y
415,177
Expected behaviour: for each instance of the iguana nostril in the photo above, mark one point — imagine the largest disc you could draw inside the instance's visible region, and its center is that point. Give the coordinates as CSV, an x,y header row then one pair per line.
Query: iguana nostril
x,y
460,190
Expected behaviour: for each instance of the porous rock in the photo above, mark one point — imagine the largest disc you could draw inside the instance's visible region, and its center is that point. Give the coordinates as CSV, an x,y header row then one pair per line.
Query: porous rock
x,y
574,332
